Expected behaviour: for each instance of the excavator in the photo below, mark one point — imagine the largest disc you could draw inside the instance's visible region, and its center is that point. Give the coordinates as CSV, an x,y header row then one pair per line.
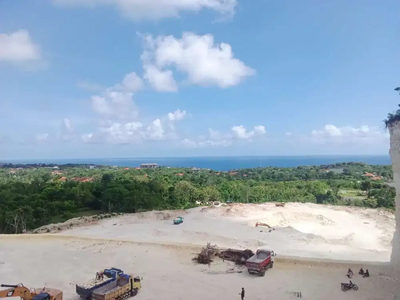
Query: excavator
x,y
24,293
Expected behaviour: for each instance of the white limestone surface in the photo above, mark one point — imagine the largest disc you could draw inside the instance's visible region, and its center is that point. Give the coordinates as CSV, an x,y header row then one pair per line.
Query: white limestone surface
x,y
394,130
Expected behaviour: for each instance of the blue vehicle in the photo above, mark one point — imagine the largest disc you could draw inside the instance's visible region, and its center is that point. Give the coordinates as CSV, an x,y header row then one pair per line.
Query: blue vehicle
x,y
178,220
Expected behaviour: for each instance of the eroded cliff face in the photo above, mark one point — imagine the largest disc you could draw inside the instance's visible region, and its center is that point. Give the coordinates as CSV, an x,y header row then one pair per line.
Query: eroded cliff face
x,y
395,157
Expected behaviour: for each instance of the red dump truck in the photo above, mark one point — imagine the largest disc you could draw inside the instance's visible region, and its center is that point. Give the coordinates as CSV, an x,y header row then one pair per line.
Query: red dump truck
x,y
260,262
123,287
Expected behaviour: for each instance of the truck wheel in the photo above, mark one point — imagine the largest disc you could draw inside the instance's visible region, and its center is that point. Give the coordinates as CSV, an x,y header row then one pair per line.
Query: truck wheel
x,y
249,272
262,273
134,292
272,265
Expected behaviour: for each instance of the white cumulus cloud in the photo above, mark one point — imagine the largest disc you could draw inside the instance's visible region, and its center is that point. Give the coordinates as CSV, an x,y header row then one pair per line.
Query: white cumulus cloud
x,y
204,62
130,84
115,105
118,117
120,133
129,133
18,47
156,131
161,81
177,115
189,143
155,9
242,133
330,130
116,102
259,130
218,139
347,134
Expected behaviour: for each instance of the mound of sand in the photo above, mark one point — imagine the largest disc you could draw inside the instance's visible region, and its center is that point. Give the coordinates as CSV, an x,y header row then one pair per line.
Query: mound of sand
x,y
160,215
283,219
75,222
306,230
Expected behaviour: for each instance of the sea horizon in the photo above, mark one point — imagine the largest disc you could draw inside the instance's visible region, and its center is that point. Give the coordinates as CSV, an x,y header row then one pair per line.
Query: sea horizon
x,y
220,163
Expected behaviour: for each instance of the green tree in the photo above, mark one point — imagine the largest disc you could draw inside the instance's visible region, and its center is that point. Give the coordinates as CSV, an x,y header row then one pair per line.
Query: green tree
x,y
366,185
185,193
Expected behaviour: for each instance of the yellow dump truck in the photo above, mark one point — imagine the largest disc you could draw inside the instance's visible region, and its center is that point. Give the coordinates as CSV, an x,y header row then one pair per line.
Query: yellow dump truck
x,y
124,287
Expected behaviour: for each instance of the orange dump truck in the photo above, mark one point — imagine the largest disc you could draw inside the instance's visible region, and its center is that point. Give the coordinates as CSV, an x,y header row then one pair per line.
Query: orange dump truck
x,y
124,287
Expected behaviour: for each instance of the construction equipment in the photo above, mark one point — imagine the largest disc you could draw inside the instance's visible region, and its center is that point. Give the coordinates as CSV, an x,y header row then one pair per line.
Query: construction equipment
x,y
85,290
24,293
124,287
260,262
178,220
262,224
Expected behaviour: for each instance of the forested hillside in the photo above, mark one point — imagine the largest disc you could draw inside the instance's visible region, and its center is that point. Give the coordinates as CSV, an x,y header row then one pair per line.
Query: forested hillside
x,y
31,196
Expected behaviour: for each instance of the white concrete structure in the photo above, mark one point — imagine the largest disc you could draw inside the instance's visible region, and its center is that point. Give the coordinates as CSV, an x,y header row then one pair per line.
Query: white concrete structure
x,y
394,130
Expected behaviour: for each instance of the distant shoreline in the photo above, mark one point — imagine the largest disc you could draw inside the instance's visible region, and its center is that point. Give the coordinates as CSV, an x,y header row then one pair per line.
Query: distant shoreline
x,y
218,163
199,157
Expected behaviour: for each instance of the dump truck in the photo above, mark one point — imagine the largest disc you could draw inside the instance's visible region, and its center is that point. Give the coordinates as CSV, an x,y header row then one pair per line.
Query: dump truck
x,y
102,278
260,262
124,287
24,293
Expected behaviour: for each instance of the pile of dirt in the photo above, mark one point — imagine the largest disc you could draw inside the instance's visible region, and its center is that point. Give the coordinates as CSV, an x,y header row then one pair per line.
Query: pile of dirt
x,y
234,211
207,254
75,222
207,209
160,215
237,256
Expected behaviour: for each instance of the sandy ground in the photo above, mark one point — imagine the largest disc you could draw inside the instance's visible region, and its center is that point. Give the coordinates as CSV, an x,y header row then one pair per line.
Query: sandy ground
x,y
169,273
149,245
301,230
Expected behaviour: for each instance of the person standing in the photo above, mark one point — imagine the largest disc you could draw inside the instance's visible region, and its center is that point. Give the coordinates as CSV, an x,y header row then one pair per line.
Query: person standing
x,y
242,294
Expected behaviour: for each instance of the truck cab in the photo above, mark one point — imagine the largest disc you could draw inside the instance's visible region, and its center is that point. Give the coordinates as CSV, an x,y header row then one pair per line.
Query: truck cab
x,y
136,283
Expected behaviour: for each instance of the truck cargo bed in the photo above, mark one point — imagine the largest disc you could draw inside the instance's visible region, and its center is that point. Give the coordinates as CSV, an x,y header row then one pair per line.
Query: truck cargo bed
x,y
86,290
259,257
107,288
112,290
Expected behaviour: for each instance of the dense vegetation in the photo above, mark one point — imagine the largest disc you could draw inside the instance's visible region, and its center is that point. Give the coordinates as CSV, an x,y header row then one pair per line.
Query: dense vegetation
x,y
36,195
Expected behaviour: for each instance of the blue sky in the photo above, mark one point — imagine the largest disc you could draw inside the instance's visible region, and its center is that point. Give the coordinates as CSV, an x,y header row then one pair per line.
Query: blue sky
x,y
130,78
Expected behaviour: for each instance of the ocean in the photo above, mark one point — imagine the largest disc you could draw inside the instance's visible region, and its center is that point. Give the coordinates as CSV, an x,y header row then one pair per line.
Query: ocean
x,y
223,163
